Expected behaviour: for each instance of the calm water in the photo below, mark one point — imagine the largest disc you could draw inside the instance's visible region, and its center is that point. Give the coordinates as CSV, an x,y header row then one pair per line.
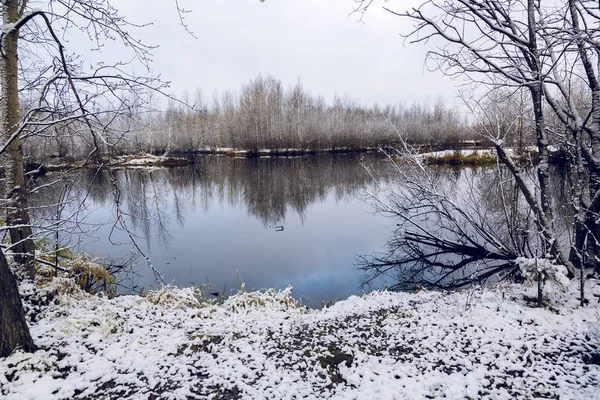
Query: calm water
x,y
269,222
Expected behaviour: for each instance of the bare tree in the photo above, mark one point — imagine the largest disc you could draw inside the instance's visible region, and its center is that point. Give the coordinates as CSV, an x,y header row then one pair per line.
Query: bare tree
x,y
265,116
59,96
531,45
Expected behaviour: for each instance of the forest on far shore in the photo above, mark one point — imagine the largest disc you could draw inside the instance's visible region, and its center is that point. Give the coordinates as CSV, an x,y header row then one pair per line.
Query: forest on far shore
x,y
264,115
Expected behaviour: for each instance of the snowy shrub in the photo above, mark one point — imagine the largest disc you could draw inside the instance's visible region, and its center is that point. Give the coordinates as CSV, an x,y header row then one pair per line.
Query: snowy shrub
x,y
172,297
59,289
534,268
548,274
90,276
79,267
273,299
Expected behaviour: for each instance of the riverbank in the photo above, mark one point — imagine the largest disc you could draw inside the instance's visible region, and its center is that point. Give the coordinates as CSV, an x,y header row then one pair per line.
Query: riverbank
x,y
141,160
145,160
263,345
458,157
285,152
477,157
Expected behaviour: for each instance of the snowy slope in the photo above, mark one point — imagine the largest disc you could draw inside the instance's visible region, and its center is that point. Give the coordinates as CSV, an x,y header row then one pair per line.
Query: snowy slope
x,y
475,344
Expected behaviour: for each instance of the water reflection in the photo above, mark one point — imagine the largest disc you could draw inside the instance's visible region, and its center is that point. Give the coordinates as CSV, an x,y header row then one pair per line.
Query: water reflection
x,y
269,188
457,227
217,219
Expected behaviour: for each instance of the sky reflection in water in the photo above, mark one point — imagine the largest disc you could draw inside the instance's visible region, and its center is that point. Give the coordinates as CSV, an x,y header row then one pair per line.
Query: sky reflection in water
x,y
217,223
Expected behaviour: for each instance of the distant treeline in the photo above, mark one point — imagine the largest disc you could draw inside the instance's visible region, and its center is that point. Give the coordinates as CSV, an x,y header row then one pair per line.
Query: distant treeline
x,y
263,115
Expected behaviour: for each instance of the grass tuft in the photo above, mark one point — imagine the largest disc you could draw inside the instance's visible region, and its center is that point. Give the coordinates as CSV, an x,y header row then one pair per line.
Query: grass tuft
x,y
457,158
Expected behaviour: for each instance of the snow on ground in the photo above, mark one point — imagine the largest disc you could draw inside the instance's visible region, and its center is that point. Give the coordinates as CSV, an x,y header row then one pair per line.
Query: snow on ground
x,y
142,160
467,152
463,153
479,152
476,344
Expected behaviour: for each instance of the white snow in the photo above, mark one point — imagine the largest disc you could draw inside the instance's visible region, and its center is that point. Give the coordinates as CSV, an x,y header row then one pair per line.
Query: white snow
x,y
465,153
533,268
468,152
485,343
141,161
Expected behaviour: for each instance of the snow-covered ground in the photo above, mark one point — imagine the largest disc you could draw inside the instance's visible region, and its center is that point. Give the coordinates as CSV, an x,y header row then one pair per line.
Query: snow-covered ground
x,y
479,152
145,160
475,344
464,153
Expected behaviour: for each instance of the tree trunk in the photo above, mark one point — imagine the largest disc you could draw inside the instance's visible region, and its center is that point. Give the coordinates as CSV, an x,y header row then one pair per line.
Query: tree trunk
x,y
544,163
17,214
14,332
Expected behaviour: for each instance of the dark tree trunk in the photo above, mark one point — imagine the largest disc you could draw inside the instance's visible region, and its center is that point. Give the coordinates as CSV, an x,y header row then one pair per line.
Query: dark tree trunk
x,y
14,332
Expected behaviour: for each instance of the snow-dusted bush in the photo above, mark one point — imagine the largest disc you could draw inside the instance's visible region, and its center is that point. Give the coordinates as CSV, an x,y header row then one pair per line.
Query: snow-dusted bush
x,y
80,269
546,273
171,297
534,268
272,299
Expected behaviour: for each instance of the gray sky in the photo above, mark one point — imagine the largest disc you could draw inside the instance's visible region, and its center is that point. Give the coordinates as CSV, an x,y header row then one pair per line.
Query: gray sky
x,y
312,40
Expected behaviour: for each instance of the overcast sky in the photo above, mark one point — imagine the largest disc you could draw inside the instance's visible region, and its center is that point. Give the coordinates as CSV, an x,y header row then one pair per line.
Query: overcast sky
x,y
316,41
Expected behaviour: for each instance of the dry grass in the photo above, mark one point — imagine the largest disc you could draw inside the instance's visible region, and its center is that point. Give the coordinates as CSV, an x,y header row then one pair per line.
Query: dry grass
x,y
457,158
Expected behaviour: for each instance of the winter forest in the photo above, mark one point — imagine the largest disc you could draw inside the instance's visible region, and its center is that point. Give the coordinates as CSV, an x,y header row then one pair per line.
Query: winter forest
x,y
183,218
262,115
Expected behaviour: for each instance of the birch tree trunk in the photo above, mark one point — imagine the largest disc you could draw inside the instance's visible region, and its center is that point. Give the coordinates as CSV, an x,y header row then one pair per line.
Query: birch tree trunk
x,y
17,215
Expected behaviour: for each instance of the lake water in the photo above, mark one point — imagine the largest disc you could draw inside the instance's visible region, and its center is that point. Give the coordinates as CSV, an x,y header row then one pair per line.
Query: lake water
x,y
269,222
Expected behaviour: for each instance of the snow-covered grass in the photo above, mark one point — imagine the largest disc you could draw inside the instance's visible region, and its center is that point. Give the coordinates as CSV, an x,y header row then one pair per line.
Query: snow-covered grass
x,y
139,161
475,156
282,152
479,152
464,153
483,343
144,160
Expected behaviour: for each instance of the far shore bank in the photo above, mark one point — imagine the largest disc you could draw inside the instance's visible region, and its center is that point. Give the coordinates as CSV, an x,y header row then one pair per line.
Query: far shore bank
x,y
476,156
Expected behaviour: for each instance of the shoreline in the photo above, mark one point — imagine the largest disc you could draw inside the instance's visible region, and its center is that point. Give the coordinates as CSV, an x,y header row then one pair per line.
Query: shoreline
x,y
475,157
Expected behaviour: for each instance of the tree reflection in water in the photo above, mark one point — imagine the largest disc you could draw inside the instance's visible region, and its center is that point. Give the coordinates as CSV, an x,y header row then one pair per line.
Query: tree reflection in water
x,y
222,214
457,227
206,222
